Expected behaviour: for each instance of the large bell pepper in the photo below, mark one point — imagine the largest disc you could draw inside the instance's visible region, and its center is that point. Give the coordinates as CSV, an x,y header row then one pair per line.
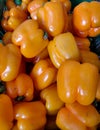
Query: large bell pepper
x,y
30,38
21,86
6,112
77,82
51,99
86,19
77,116
30,115
53,18
63,47
10,60
43,74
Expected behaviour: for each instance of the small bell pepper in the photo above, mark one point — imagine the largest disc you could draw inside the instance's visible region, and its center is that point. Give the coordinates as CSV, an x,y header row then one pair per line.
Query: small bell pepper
x,y
53,18
21,86
33,7
43,74
6,112
86,19
30,115
51,99
77,116
86,114
63,47
10,60
15,18
77,82
30,38
90,57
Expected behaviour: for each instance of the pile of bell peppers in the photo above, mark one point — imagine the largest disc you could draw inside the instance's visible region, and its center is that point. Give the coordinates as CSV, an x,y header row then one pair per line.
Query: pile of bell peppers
x,y
49,76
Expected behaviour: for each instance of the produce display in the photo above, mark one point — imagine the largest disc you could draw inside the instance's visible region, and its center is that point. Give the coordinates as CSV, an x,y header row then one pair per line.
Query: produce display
x,y
49,65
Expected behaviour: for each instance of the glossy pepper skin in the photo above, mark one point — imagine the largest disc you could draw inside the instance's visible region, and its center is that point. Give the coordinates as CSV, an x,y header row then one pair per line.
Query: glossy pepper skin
x,y
52,101
63,47
43,74
33,7
6,112
30,38
48,17
21,86
30,115
86,19
77,116
10,59
78,82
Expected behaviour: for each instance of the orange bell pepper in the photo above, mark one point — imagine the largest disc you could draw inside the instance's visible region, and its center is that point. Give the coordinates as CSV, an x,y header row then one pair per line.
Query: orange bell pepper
x,y
78,117
63,47
66,120
22,86
30,38
77,82
13,18
10,59
86,19
49,20
33,7
30,115
52,102
6,112
86,114
43,74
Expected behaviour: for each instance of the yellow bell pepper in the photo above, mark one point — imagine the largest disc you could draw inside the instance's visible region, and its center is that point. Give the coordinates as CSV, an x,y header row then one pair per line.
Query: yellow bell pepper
x,y
51,99
10,60
63,47
77,82
6,112
30,115
86,19
13,18
30,38
53,18
43,74
21,86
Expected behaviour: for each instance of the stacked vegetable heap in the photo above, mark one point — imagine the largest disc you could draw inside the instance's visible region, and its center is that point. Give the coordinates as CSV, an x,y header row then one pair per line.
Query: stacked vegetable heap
x,y
49,65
